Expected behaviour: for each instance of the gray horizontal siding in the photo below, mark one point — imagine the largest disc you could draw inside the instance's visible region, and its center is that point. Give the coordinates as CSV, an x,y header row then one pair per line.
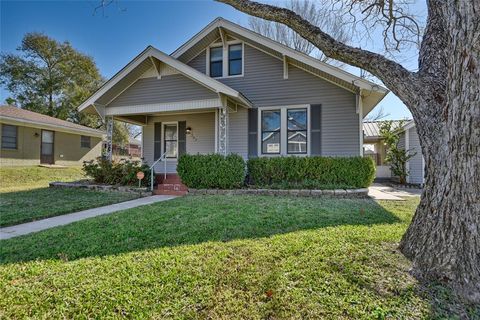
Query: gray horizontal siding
x,y
401,141
199,62
202,139
171,88
238,132
416,162
263,84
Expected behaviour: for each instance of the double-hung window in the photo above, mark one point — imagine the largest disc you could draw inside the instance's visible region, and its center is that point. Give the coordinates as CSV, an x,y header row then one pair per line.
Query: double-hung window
x,y
84,142
271,129
170,146
9,137
235,59
297,131
216,62
284,131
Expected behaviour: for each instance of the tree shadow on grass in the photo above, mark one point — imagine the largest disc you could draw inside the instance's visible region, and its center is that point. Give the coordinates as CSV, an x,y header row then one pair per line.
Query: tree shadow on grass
x,y
192,220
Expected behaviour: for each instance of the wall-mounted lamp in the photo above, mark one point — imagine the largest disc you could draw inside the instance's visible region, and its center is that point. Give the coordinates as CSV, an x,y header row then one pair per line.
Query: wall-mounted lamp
x,y
36,134
188,130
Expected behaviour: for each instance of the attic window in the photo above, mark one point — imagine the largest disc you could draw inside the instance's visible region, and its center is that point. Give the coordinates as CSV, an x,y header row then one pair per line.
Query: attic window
x,y
235,59
216,62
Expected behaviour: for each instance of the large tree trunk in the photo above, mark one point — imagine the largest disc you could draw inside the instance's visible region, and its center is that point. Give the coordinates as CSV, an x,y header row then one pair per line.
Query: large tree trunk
x,y
443,240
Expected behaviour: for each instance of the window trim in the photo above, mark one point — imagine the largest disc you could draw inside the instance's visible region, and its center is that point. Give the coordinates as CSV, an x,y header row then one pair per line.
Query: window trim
x,y
283,131
225,59
16,136
306,131
163,137
270,131
89,142
228,59
210,62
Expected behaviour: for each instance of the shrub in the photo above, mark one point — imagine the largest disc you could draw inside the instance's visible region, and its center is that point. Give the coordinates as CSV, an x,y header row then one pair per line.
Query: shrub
x,y
123,172
211,171
311,172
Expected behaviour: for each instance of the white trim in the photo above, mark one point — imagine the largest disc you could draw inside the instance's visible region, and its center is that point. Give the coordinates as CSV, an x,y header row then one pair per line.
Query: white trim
x,y
216,130
162,147
285,67
53,127
360,121
410,124
225,59
407,146
164,107
225,24
186,70
283,131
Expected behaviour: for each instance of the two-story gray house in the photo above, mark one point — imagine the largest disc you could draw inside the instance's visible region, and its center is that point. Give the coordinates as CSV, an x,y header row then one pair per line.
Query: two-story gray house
x,y
231,90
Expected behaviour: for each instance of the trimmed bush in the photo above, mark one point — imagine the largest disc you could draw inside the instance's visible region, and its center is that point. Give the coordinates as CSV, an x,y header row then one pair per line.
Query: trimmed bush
x,y
123,172
311,172
211,171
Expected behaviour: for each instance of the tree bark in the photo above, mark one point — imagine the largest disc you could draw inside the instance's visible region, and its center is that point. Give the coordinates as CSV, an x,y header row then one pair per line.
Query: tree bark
x,y
443,240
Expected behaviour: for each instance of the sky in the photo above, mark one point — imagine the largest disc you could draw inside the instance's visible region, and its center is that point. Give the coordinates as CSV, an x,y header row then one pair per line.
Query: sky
x,y
115,35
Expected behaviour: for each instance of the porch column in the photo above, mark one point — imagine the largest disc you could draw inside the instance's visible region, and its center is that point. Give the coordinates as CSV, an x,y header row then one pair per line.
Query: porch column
x,y
108,146
222,130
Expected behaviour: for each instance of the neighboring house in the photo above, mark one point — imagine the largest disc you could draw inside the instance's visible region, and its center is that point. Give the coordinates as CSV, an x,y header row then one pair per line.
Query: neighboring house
x,y
133,149
30,138
231,90
416,165
375,147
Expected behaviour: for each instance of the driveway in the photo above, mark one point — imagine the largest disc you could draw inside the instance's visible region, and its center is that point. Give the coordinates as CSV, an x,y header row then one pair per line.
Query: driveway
x,y
380,191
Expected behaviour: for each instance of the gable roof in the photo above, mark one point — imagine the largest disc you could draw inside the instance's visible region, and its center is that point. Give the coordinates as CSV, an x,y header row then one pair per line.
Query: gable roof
x,y
371,92
143,62
18,116
371,129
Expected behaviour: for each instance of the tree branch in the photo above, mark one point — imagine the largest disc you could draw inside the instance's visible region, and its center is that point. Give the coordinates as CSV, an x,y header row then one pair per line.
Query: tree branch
x,y
392,74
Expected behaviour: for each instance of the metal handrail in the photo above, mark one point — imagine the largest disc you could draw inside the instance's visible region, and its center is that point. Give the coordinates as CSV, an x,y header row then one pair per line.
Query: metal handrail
x,y
163,156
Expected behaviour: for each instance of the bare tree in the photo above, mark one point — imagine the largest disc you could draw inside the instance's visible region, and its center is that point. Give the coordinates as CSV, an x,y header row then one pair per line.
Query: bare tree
x,y
443,240
378,115
322,17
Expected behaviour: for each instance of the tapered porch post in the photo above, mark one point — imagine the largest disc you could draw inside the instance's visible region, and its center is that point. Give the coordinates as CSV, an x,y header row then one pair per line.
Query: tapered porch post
x,y
108,147
222,131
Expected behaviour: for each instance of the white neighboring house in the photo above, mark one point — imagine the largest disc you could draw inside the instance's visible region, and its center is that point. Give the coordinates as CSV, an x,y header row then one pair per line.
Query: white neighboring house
x,y
416,165
375,148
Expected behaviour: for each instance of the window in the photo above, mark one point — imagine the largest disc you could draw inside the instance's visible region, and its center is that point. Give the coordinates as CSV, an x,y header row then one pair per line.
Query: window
x,y
271,125
170,140
9,137
216,62
297,131
235,59
84,142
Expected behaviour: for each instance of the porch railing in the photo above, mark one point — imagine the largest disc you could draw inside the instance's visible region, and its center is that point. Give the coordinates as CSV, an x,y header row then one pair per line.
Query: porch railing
x,y
163,156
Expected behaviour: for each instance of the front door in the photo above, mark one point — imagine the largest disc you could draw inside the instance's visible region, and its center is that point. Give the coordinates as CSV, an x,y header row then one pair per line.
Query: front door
x,y
46,149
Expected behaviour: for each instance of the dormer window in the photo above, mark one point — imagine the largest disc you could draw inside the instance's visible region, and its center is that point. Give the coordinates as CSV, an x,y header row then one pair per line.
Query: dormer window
x,y
235,59
225,61
216,62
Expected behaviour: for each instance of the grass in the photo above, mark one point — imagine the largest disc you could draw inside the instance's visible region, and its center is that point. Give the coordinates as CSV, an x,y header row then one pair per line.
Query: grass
x,y
225,257
27,178
25,196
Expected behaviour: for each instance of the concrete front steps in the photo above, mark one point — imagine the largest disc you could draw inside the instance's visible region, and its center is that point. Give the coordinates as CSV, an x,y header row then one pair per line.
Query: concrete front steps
x,y
170,186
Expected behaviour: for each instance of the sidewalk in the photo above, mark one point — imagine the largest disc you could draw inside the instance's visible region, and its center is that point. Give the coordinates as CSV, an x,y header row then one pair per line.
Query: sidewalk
x,y
380,191
35,226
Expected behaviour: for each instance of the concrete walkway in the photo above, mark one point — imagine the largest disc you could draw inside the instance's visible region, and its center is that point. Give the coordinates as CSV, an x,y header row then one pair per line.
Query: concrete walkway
x,y
35,226
380,191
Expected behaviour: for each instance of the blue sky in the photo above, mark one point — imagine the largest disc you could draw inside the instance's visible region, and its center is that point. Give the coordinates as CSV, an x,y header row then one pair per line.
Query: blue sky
x,y
114,37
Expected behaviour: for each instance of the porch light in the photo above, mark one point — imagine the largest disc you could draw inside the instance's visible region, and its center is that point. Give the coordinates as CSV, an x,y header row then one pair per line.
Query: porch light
x,y
188,130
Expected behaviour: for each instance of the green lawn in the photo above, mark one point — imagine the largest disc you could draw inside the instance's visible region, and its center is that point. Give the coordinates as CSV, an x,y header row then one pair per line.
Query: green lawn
x,y
225,257
25,196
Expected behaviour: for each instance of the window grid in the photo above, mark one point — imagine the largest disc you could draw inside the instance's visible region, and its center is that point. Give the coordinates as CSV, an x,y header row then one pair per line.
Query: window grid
x,y
297,131
237,56
169,141
272,132
85,142
9,137
216,62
